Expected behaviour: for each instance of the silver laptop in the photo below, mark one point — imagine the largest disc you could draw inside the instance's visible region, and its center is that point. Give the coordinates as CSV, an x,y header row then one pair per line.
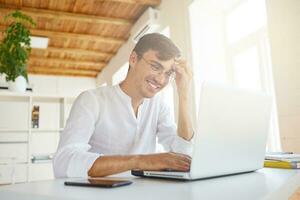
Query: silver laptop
x,y
231,134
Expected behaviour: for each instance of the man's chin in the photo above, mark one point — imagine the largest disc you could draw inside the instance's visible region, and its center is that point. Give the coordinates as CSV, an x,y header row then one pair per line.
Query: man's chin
x,y
149,94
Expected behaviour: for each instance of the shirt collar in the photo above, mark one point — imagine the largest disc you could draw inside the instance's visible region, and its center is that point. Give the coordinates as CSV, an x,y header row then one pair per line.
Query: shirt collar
x,y
124,96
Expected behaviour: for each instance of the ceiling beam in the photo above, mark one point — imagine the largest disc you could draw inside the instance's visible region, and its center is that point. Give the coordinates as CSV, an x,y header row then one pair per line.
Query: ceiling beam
x,y
60,67
63,63
141,2
76,51
70,61
74,36
106,55
56,71
59,15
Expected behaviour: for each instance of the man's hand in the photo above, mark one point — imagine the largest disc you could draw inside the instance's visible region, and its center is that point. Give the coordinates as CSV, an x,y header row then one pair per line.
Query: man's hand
x,y
184,77
108,165
162,161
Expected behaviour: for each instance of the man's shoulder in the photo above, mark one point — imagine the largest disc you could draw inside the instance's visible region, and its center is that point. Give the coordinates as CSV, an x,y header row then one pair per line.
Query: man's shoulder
x,y
101,90
98,93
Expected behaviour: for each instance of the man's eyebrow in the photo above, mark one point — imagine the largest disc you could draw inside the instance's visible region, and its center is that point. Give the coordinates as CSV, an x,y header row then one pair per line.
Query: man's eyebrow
x,y
161,66
157,63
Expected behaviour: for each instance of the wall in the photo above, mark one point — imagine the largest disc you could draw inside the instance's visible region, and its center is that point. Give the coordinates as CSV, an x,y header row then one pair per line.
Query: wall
x,y
284,30
58,85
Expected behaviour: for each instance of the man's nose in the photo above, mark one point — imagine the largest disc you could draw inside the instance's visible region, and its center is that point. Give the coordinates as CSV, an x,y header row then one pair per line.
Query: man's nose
x,y
160,78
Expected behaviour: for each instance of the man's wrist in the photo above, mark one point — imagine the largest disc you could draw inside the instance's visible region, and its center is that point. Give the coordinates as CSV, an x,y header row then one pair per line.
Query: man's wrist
x,y
135,162
183,98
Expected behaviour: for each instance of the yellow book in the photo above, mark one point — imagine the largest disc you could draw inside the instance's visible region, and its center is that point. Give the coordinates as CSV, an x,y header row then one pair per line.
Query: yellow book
x,y
282,164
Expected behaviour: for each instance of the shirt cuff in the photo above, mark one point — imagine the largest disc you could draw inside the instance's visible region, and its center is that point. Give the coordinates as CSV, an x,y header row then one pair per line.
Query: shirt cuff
x,y
183,146
81,163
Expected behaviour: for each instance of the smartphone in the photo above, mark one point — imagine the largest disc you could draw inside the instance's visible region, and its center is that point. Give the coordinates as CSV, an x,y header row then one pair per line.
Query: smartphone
x,y
107,183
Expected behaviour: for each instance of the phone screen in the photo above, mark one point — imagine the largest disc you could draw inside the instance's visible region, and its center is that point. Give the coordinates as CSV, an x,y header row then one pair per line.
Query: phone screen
x,y
98,182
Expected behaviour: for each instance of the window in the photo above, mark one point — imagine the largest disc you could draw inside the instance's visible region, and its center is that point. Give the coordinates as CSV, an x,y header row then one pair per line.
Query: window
x,y
246,69
245,18
230,45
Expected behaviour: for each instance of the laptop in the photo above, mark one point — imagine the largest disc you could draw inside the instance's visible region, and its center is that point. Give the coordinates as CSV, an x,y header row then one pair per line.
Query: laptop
x,y
231,134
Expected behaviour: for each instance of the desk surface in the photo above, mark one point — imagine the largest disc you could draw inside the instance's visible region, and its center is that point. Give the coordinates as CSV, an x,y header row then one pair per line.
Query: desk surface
x,y
270,184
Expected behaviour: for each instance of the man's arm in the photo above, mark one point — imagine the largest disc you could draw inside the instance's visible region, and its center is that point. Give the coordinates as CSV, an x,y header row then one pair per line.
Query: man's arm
x,y
72,158
108,165
185,129
183,82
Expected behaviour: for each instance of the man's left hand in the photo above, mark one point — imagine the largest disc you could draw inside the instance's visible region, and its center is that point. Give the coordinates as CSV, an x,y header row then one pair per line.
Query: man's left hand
x,y
184,76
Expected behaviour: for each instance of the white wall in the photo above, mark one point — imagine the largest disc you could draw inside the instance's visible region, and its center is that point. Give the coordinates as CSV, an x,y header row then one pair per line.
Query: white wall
x,y
284,30
58,85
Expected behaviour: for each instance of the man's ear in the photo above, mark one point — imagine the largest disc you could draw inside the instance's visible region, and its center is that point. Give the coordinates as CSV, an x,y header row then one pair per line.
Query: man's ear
x,y
133,59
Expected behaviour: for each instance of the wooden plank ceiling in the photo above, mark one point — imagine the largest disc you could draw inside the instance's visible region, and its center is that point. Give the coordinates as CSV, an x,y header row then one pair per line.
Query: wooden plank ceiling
x,y
83,34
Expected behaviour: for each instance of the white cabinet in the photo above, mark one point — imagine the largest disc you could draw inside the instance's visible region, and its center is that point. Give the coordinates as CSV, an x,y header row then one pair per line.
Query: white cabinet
x,y
16,150
19,142
14,112
40,171
13,173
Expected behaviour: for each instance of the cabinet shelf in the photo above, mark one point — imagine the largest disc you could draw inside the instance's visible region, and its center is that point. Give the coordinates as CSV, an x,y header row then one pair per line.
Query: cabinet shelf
x,y
13,142
18,137
16,163
13,130
46,130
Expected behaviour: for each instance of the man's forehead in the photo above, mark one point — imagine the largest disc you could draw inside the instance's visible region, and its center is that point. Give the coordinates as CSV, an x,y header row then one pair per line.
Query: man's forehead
x,y
154,57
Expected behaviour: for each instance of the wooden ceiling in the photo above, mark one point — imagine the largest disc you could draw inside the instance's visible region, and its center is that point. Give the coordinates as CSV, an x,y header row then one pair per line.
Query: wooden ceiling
x,y
83,34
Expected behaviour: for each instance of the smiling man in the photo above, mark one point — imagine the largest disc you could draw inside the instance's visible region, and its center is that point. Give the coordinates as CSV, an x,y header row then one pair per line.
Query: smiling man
x,y
114,129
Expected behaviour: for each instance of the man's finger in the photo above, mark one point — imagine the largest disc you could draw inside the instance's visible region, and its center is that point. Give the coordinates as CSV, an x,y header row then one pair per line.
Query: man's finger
x,y
179,69
184,157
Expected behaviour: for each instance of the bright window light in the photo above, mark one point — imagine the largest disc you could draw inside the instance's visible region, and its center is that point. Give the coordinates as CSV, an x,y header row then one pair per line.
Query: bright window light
x,y
246,69
230,44
246,19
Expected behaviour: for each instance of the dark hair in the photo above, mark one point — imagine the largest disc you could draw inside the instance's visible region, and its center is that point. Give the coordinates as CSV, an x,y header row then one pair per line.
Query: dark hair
x,y
157,42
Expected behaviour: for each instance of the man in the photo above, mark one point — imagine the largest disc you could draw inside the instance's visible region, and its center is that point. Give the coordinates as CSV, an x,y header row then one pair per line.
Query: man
x,y
114,129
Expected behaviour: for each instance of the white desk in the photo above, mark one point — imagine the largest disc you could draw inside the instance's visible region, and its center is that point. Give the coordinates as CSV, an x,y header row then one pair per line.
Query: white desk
x,y
271,184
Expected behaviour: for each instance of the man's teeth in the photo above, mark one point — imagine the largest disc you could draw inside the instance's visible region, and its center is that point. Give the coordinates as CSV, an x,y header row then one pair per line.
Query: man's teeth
x,y
152,85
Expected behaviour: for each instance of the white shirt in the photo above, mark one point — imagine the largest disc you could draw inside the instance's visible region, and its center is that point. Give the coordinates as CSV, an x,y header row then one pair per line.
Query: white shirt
x,y
102,122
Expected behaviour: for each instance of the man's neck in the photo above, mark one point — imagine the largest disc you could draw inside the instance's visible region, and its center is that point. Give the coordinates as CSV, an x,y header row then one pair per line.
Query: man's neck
x,y
136,99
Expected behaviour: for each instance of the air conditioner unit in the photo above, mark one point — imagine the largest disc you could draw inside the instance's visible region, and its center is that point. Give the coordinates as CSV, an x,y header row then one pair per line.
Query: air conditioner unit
x,y
149,22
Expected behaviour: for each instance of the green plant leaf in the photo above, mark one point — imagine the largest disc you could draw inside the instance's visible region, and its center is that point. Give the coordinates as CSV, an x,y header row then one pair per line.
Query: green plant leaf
x,y
15,46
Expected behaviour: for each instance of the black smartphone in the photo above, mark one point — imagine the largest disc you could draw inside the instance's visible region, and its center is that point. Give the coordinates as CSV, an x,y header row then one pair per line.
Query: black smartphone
x,y
107,183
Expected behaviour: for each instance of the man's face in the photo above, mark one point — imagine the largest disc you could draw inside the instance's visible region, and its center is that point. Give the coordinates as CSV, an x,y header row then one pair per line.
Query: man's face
x,y
151,75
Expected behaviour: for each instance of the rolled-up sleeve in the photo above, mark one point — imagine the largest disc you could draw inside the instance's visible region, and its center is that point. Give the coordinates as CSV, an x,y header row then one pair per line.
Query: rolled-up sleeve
x,y
73,158
167,132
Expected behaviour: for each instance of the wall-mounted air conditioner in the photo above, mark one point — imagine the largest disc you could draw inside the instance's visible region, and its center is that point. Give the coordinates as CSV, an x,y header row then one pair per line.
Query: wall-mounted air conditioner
x,y
149,22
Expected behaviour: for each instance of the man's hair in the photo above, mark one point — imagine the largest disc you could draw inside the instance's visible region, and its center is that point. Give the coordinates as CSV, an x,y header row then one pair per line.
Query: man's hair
x,y
157,42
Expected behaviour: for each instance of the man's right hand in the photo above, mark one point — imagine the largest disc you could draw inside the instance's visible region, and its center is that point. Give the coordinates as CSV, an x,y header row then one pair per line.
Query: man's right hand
x,y
108,165
162,161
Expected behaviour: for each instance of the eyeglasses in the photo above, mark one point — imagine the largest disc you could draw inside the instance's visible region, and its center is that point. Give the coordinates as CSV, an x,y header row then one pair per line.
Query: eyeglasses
x,y
158,69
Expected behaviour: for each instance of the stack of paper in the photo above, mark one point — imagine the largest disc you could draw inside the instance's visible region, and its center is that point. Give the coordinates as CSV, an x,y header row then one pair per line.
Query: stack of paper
x,y
287,161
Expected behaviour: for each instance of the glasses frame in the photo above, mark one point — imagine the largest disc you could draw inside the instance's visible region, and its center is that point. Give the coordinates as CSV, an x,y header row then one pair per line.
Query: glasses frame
x,y
158,70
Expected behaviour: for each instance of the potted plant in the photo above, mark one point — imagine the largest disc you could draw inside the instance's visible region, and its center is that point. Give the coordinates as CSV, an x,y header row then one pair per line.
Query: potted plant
x,y
15,50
